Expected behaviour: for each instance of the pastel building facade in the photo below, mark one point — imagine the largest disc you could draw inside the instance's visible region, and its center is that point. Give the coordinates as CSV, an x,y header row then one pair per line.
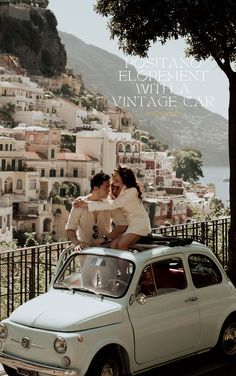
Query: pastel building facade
x,y
110,148
37,176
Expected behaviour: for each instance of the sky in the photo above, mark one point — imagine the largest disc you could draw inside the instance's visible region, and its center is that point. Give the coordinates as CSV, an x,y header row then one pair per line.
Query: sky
x,y
203,81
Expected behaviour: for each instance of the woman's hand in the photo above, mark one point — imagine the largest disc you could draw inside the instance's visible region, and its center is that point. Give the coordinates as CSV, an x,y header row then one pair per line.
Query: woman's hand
x,y
100,241
79,203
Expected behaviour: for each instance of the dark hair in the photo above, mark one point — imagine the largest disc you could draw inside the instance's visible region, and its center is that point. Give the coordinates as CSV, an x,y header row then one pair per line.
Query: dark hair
x,y
128,178
98,179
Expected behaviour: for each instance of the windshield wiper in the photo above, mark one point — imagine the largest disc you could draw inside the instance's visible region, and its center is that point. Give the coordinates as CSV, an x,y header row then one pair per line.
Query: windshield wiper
x,y
87,289
67,285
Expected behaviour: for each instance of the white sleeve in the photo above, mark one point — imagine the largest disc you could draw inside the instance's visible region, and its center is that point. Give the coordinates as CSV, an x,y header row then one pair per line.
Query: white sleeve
x,y
120,202
73,219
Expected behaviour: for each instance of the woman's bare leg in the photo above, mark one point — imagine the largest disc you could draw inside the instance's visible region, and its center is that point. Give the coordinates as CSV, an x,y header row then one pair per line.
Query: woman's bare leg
x,y
126,240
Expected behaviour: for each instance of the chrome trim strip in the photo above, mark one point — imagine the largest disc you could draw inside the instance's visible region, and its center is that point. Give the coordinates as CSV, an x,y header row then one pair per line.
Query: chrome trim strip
x,y
32,344
13,362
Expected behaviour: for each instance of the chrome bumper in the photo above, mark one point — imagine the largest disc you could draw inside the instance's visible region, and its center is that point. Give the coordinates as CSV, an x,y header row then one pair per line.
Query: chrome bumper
x,y
13,362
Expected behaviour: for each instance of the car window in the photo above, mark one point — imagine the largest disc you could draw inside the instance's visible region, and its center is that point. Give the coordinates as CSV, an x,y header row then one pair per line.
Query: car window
x,y
169,275
204,271
146,284
163,277
104,275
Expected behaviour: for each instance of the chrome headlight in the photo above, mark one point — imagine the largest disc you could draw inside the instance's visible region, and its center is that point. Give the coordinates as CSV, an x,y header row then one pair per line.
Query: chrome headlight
x,y
3,331
60,345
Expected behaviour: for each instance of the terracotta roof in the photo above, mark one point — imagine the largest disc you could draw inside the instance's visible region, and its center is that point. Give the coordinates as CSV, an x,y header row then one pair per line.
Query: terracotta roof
x,y
35,156
63,156
75,157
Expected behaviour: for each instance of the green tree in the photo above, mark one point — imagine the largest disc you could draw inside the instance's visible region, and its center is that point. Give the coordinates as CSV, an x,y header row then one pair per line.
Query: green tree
x,y
66,90
7,111
188,165
68,141
208,28
30,239
218,208
86,101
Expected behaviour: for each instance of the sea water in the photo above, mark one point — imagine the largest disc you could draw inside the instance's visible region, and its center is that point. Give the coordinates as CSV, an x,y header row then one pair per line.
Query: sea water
x,y
219,176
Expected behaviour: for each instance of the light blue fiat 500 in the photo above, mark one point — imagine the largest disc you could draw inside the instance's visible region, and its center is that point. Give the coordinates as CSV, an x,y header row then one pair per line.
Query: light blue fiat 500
x,y
114,313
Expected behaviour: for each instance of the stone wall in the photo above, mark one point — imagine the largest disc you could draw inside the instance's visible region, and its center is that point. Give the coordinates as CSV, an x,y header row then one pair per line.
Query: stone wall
x,y
15,11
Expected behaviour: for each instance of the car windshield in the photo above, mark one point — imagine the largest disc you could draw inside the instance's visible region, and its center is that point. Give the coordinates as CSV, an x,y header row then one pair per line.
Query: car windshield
x,y
103,275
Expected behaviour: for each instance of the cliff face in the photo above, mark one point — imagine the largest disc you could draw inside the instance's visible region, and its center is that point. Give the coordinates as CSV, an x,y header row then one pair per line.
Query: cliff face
x,y
36,42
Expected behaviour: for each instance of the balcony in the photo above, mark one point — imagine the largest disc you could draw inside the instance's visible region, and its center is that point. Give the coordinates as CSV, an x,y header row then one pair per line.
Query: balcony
x,y
25,215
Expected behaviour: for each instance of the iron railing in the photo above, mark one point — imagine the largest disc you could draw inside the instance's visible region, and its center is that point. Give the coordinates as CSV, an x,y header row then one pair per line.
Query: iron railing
x,y
26,272
213,233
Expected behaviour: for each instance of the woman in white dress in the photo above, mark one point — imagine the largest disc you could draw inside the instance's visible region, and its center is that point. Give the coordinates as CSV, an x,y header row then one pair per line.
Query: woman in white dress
x,y
130,201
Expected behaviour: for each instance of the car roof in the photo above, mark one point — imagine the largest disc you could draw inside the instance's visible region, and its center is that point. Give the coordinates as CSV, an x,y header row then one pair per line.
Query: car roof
x,y
153,251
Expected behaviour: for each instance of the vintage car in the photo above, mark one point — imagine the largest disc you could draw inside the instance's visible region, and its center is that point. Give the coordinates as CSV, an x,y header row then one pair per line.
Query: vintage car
x,y
113,313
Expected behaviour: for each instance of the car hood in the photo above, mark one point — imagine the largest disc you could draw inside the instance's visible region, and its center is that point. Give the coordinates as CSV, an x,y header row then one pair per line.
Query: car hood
x,y
61,310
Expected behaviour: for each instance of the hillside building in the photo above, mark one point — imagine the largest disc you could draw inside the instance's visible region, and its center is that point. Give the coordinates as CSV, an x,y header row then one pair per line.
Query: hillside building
x,y
37,176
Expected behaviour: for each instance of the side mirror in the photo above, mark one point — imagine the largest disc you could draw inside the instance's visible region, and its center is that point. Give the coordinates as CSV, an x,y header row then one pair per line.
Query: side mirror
x,y
141,298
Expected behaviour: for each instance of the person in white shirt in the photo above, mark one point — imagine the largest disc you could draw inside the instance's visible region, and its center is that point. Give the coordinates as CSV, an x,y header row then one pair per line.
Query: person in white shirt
x,y
86,228
130,201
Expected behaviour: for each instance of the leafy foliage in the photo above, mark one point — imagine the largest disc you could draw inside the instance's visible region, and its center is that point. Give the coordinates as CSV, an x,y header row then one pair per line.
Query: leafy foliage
x,y
38,20
24,239
15,31
52,21
188,165
161,20
47,63
66,91
68,142
30,239
150,141
7,111
4,246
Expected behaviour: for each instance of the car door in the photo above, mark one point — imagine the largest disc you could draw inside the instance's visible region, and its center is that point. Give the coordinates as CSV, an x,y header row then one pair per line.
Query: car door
x,y
213,293
167,325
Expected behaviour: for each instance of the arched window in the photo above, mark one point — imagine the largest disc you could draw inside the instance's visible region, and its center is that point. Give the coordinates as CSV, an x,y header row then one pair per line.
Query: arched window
x,y
58,212
121,148
46,225
128,148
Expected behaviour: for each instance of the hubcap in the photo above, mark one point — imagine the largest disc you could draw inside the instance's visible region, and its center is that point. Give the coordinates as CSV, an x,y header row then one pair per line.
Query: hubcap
x,y
229,340
109,370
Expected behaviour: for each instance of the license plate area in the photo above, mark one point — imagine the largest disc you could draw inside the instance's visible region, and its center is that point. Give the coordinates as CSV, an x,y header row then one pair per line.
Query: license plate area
x,y
26,372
